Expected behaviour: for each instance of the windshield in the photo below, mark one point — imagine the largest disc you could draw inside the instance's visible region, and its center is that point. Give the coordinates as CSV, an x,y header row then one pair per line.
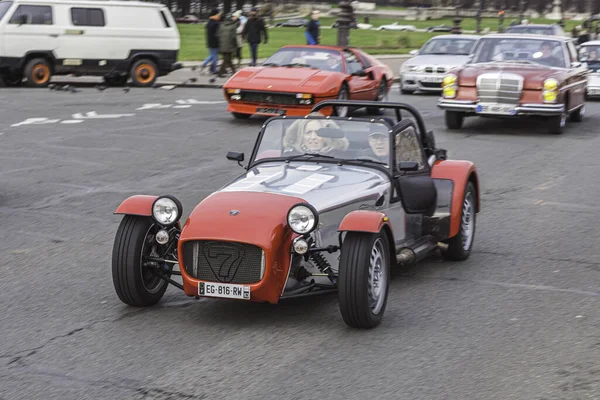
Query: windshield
x,y
519,50
593,53
328,60
4,6
320,137
448,46
532,30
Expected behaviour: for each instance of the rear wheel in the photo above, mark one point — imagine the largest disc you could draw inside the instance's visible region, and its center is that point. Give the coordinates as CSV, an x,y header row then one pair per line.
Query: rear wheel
x,y
241,116
136,284
454,119
38,73
382,96
144,73
342,95
364,278
459,246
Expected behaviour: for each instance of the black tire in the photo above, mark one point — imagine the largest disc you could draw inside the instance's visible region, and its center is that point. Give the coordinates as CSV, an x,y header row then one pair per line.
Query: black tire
x,y
457,249
143,73
117,81
353,280
381,96
557,123
454,119
134,284
38,72
577,116
241,116
404,91
343,94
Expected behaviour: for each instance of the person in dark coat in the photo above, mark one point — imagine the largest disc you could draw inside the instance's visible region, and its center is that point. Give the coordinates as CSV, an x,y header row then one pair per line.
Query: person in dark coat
x,y
227,43
312,33
212,41
254,30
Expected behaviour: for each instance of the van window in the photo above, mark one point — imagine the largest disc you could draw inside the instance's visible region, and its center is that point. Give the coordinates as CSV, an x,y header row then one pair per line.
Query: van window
x,y
165,20
87,16
4,6
34,15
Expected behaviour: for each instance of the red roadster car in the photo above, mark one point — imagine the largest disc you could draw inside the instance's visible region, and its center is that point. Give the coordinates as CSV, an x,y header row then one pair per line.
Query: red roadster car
x,y
295,78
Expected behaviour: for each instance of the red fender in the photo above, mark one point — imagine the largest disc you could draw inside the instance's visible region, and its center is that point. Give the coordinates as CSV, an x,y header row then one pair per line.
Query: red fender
x,y
460,172
364,221
137,205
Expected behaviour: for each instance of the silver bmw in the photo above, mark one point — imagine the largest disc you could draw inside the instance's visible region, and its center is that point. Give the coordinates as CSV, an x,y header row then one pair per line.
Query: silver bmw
x,y
427,69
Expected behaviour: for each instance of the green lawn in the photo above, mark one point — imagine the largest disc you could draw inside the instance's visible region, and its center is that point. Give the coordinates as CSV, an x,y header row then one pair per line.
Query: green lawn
x,y
193,43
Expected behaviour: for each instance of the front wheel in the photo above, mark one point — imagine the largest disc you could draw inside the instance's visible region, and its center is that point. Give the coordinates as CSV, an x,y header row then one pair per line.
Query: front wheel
x,y
454,119
364,276
459,246
382,96
135,284
240,115
144,73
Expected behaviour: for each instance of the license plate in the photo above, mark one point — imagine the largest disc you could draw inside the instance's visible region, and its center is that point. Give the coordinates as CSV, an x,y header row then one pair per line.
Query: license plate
x,y
501,109
270,111
223,290
594,92
432,79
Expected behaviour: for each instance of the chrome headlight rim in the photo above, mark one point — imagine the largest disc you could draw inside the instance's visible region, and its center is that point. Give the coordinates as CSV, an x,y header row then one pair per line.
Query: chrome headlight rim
x,y
315,215
178,206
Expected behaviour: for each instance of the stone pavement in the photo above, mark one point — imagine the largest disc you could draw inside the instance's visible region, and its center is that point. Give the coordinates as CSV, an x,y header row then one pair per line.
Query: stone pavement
x,y
191,69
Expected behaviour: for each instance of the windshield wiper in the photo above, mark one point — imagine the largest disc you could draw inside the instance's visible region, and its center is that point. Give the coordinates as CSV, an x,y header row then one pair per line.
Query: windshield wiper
x,y
296,65
363,160
311,155
270,64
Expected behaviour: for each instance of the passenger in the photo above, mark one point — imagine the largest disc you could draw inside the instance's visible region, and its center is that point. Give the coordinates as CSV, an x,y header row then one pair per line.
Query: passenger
x,y
301,136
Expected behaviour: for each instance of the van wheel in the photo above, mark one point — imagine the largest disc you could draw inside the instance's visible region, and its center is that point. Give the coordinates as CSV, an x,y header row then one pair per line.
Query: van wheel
x,y
38,73
144,73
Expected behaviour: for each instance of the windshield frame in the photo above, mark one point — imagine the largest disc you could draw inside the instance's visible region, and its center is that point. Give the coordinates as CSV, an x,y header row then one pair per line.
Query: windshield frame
x,y
486,40
388,170
343,66
438,38
10,4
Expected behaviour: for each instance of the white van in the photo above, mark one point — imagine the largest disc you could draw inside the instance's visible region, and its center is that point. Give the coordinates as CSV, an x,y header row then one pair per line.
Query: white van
x,y
114,39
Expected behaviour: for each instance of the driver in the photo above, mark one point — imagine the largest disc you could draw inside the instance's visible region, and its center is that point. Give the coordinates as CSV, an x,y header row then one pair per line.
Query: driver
x,y
379,145
593,56
547,57
301,136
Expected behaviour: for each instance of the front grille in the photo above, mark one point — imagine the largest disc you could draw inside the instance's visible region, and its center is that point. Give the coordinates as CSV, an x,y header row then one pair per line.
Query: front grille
x,y
431,85
269,97
499,88
226,262
438,70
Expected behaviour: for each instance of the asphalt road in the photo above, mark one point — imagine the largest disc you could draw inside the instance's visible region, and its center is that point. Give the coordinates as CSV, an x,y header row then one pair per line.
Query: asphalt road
x,y
519,320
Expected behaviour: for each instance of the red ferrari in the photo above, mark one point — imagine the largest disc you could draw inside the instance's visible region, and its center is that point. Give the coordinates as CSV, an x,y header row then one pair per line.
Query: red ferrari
x,y
295,78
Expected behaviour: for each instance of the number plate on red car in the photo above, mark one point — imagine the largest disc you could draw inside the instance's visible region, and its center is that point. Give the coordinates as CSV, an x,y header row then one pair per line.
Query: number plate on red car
x,y
270,111
223,290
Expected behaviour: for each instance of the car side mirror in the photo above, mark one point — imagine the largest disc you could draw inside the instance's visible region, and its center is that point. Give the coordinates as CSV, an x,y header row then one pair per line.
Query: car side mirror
x,y
575,64
414,52
359,73
235,156
408,166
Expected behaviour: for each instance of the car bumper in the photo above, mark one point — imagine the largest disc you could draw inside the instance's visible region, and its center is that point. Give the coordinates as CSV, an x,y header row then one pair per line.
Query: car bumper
x,y
271,110
427,82
593,86
519,109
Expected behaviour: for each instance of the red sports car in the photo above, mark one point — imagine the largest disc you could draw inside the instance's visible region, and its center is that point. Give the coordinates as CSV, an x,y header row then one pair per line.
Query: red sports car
x,y
295,78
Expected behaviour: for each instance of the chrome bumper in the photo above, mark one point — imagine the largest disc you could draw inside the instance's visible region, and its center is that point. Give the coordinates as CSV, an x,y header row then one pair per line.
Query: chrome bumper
x,y
522,109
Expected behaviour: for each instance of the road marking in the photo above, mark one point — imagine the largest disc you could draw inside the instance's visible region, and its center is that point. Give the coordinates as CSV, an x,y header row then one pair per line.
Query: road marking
x,y
182,106
36,121
94,115
71,121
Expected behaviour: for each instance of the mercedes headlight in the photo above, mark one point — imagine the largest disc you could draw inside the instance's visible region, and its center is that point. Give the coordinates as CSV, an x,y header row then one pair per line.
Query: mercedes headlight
x,y
166,210
550,84
302,218
550,93
449,80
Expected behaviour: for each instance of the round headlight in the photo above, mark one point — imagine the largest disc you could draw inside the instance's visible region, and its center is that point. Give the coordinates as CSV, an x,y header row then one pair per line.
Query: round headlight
x,y
302,218
449,91
449,80
550,84
550,96
166,210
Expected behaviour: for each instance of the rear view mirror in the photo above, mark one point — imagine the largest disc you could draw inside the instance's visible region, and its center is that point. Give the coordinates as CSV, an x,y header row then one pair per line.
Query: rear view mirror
x,y
235,156
408,166
332,133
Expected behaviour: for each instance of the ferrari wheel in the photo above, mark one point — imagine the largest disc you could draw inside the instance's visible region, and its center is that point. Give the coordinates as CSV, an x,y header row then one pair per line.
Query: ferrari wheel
x,y
342,95
364,276
382,96
240,115
136,284
459,246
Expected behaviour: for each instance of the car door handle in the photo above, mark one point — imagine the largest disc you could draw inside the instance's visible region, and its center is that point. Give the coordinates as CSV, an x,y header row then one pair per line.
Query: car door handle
x,y
74,32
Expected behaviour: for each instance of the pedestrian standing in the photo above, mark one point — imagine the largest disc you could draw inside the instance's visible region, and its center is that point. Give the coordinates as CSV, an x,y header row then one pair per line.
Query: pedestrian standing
x,y
227,44
312,34
241,23
254,30
212,41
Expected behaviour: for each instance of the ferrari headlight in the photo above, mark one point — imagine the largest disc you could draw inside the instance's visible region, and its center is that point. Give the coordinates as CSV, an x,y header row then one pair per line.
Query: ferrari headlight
x,y
449,80
302,218
550,84
166,210
233,91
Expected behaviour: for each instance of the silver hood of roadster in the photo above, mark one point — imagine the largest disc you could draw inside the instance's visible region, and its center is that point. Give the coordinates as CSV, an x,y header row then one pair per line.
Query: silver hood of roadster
x,y
325,186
